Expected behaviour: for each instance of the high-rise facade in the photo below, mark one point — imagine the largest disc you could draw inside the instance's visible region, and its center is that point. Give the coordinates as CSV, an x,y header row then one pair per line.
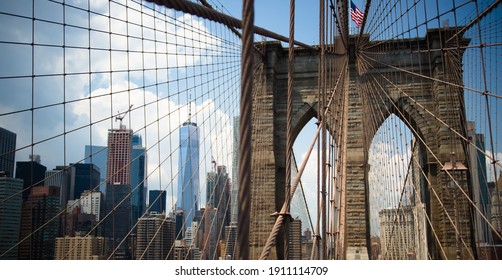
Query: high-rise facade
x,y
32,173
397,234
7,151
98,155
188,176
210,187
155,238
209,247
179,218
10,215
138,183
39,223
87,177
118,189
231,238
157,201
92,203
218,198
477,166
192,240
222,196
119,156
81,248
62,177
496,210
235,169
119,222
295,240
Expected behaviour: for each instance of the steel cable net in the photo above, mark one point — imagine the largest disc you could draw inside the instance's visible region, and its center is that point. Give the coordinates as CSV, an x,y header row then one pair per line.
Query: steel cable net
x,y
112,112
433,127
119,133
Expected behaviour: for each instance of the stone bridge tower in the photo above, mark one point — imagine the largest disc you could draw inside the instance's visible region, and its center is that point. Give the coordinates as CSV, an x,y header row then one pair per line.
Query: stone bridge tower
x,y
430,108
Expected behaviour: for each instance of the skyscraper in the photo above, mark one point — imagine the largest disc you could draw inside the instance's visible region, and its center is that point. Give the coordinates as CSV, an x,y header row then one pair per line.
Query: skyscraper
x,y
61,176
295,240
157,200
155,239
397,233
179,218
191,239
98,155
39,223
7,151
33,174
223,196
87,176
119,156
138,171
496,210
119,222
81,248
481,196
91,203
210,187
188,177
231,238
10,215
235,168
209,248
118,189
218,197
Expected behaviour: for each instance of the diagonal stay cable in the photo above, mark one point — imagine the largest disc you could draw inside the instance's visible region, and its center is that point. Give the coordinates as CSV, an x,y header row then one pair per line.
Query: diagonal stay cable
x,y
207,13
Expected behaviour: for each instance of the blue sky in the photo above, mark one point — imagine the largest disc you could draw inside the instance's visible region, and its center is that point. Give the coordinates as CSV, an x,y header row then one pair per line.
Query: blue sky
x,y
274,16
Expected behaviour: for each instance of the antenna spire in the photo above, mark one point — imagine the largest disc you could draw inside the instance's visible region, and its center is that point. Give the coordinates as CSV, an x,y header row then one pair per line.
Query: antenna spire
x,y
189,105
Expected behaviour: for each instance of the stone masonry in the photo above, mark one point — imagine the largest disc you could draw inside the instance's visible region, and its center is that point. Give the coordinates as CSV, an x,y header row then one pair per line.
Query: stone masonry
x,y
414,99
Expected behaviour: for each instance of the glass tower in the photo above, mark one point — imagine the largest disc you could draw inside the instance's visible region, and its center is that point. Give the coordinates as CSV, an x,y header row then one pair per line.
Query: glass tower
x,y
98,155
33,174
157,200
188,177
10,215
87,176
7,151
138,183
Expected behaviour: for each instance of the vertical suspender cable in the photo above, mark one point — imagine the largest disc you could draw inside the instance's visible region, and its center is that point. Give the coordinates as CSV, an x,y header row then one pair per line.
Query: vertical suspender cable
x,y
322,101
245,130
289,120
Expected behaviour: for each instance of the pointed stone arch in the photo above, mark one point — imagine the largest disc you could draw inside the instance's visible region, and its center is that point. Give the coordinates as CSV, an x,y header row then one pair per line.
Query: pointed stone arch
x,y
420,102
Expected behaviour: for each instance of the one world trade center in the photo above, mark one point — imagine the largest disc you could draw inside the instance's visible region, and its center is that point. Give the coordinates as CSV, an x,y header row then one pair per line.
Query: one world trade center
x,y
188,177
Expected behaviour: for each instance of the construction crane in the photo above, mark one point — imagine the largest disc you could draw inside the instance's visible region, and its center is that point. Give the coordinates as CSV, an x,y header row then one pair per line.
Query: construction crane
x,y
121,117
213,162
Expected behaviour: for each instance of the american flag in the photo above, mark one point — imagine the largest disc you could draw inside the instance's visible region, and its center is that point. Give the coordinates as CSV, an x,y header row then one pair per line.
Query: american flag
x,y
356,15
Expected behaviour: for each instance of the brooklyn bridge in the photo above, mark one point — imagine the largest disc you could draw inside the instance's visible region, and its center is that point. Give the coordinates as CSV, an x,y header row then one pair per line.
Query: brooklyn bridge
x,y
183,130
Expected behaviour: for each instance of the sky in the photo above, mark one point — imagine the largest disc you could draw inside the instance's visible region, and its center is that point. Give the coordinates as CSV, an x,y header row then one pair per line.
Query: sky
x,y
274,16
